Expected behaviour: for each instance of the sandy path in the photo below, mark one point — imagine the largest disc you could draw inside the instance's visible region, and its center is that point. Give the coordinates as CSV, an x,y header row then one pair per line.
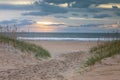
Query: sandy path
x,y
53,69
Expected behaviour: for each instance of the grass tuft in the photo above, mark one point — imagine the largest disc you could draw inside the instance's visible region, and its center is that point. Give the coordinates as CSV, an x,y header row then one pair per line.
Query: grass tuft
x,y
24,46
105,50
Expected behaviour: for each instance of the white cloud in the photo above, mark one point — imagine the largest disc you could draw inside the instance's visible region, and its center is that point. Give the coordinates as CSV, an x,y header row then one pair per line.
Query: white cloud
x,y
110,5
17,2
60,5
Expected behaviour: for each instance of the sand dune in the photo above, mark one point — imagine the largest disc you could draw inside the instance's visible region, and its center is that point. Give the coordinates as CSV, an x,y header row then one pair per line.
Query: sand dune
x,y
108,69
17,65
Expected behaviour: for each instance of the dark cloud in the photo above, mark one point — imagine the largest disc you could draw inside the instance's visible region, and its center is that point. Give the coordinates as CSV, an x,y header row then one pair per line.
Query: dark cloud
x,y
57,25
85,15
52,9
92,10
82,3
115,7
43,8
91,25
61,16
9,21
46,9
87,25
117,13
17,22
101,16
37,13
88,10
74,14
25,22
17,7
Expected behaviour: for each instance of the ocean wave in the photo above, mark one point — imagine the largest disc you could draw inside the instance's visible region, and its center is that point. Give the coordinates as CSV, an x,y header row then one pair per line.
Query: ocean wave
x,y
75,39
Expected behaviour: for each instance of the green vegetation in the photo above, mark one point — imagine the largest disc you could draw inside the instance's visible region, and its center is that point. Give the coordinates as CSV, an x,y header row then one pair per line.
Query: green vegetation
x,y
102,51
24,46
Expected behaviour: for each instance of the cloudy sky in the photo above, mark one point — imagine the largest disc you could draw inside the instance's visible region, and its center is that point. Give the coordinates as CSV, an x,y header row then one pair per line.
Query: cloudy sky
x,y
61,15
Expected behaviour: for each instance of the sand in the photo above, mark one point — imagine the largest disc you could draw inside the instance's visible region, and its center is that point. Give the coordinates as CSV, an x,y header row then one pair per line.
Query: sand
x,y
57,48
108,69
67,57
11,58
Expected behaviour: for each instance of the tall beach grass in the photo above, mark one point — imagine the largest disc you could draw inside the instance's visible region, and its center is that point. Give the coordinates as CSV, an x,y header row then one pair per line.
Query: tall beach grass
x,y
8,36
108,49
24,46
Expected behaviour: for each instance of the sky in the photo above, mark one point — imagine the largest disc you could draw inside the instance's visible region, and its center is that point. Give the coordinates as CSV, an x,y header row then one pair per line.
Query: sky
x,y
61,15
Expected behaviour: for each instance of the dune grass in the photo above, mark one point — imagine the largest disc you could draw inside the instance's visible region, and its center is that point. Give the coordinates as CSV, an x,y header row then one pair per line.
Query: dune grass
x,y
102,51
24,46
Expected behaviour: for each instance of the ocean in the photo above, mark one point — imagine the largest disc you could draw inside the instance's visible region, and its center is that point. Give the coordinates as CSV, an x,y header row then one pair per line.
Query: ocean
x,y
67,36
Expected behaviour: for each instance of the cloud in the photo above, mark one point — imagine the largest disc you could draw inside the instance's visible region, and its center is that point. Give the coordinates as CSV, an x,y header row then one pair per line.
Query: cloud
x,y
85,15
82,3
86,19
87,25
109,6
9,21
43,8
16,2
17,22
74,14
46,9
91,25
25,22
79,9
101,16
52,9
60,16
117,13
36,13
56,25
17,7
114,7
92,10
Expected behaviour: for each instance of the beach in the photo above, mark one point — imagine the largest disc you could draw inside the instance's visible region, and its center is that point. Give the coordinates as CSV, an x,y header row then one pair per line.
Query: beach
x,y
65,63
57,48
59,39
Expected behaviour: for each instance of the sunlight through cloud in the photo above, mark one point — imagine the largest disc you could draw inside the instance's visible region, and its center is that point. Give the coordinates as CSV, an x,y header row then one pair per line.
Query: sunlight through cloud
x,y
49,23
17,2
